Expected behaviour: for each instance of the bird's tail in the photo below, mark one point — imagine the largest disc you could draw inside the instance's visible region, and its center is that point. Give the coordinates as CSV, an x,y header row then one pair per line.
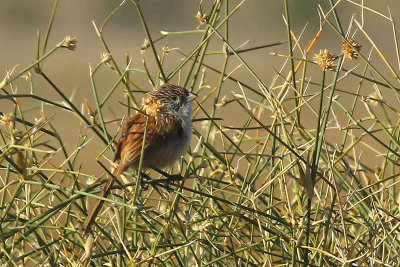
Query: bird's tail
x,y
120,169
104,193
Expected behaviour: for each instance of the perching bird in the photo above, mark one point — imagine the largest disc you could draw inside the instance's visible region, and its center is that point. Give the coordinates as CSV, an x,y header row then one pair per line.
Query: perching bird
x,y
168,112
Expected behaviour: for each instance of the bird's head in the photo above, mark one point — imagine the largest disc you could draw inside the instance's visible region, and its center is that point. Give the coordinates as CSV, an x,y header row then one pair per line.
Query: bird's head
x,y
170,100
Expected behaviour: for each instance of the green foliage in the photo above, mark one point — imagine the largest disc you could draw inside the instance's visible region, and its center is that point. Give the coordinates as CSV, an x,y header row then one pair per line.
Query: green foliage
x,y
293,182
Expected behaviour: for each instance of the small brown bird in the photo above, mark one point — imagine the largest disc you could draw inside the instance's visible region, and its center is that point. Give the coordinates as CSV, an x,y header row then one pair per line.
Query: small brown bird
x,y
168,112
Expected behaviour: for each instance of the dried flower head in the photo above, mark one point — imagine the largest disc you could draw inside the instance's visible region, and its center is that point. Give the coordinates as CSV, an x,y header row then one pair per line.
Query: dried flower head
x,y
106,58
6,119
205,124
374,99
202,226
325,60
152,107
145,45
7,78
27,76
202,18
166,49
223,102
236,137
225,49
38,124
350,51
88,107
69,42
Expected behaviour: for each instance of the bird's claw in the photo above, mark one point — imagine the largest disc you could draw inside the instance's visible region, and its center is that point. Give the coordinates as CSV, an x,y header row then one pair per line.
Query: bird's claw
x,y
175,177
144,184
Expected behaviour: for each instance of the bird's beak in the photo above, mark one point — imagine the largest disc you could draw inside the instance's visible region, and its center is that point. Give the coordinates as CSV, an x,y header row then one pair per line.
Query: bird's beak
x,y
191,97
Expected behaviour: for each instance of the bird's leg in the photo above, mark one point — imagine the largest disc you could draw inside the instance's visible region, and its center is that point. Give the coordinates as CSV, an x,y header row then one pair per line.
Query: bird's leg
x,y
170,177
145,184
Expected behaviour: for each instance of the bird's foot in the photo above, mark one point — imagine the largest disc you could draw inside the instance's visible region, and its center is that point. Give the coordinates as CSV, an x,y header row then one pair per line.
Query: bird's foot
x,y
145,181
174,177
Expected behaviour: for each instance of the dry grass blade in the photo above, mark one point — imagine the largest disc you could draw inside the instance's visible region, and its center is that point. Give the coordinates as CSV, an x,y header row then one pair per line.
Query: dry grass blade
x,y
303,172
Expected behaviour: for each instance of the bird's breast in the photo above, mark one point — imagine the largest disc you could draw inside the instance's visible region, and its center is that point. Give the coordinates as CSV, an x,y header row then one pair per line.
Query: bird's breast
x,y
169,152
172,147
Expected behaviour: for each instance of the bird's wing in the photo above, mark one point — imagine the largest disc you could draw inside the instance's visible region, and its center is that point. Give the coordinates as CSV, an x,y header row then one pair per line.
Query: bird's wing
x,y
131,141
160,131
124,134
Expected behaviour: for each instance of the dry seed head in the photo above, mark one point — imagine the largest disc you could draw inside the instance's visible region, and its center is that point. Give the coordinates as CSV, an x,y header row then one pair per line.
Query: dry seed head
x,y
325,60
144,46
205,124
152,107
225,49
202,227
351,51
236,137
69,42
6,119
374,99
166,49
7,78
91,181
88,107
202,18
37,124
106,58
27,76
223,102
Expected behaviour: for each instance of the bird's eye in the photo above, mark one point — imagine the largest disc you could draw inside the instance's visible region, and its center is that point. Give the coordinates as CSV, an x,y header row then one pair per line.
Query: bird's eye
x,y
174,98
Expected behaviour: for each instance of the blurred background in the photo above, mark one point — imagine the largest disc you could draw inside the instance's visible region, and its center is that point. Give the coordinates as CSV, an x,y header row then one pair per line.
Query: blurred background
x,y
257,22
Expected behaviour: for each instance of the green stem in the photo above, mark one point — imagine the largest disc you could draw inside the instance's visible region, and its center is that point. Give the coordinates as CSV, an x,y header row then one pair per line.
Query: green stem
x,y
163,77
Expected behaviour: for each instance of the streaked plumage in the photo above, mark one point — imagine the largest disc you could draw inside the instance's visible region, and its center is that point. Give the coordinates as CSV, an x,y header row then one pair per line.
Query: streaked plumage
x,y
169,130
